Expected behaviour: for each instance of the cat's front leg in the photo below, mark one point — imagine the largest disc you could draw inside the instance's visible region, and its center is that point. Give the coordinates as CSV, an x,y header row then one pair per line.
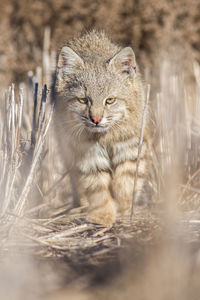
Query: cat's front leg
x,y
124,171
95,179
102,209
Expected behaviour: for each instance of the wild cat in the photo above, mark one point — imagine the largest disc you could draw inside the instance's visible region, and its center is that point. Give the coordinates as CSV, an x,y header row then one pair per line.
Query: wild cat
x,y
98,112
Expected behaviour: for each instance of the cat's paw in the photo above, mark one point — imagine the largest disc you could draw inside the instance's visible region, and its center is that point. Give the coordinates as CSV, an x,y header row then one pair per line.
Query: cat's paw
x,y
102,219
124,207
102,216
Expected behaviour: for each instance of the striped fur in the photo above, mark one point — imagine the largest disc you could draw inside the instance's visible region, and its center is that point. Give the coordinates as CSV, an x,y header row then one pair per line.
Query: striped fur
x,y
107,178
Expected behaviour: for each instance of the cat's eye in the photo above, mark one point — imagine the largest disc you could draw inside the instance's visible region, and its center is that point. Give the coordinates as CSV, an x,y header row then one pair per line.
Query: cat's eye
x,y
83,100
110,100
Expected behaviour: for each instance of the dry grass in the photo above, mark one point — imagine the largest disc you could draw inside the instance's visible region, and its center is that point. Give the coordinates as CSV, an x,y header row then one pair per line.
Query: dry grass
x,y
36,210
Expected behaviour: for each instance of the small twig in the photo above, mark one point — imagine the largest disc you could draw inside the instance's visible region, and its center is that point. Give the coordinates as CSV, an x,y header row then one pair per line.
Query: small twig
x,y
102,231
188,183
34,115
52,188
19,123
12,103
42,108
140,146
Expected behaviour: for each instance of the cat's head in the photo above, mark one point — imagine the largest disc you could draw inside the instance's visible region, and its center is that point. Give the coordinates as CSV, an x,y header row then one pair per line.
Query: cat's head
x,y
97,91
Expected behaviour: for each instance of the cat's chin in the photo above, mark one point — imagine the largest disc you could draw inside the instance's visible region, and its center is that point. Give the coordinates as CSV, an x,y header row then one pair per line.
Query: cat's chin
x,y
97,129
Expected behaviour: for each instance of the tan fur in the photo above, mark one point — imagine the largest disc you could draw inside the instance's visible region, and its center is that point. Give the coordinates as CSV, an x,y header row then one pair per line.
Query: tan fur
x,y
103,156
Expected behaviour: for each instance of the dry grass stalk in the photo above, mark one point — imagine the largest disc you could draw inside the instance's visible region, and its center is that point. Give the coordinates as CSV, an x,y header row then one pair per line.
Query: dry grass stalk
x,y
13,197
43,131
144,116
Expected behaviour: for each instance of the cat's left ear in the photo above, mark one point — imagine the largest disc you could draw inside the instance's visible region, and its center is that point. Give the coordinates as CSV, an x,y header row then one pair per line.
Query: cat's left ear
x,y
124,60
68,62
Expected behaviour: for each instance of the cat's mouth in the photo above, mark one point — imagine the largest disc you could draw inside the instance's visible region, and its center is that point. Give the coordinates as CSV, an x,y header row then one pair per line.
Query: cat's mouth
x,y
97,128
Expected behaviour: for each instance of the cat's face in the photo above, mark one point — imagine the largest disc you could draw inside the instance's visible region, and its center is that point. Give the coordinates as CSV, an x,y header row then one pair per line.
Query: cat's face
x,y
98,108
98,94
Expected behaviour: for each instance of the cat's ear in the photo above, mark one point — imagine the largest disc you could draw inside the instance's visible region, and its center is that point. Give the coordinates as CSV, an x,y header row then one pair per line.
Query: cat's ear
x,y
124,60
68,62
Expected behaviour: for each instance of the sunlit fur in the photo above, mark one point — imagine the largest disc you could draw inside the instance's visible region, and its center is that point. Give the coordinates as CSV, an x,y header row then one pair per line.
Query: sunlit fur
x,y
103,155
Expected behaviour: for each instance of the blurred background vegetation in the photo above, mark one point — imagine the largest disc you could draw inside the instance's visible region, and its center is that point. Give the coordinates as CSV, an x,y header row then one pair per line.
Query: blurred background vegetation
x,y
154,28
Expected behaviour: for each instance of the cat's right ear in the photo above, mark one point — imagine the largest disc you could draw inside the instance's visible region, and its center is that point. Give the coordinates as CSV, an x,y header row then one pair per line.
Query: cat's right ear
x,y
68,62
124,61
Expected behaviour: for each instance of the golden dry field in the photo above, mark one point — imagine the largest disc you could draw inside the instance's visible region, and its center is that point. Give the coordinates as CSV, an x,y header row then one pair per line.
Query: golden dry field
x,y
47,249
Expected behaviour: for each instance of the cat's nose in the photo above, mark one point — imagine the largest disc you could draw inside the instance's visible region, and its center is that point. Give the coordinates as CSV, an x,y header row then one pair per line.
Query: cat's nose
x,y
95,119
